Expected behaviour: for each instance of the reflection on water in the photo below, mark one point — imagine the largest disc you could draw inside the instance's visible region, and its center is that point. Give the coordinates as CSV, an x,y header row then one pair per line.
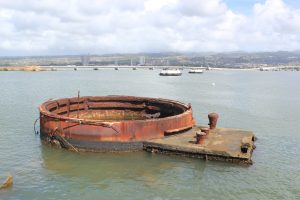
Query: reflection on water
x,y
95,167
267,103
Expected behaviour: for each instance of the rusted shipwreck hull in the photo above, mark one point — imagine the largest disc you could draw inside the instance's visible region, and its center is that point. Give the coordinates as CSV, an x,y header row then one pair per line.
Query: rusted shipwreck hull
x,y
111,123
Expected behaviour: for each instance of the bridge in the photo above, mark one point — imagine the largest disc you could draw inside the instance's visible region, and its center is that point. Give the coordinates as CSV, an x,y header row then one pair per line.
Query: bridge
x,y
115,67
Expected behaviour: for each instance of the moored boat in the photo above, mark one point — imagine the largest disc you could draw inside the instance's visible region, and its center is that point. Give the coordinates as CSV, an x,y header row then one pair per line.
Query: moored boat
x,y
170,72
196,71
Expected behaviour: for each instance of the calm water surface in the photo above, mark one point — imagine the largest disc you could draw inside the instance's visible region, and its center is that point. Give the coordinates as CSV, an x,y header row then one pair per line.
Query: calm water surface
x,y
266,102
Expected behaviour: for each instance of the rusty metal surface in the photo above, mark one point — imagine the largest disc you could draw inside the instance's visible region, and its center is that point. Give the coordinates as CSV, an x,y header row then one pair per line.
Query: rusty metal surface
x,y
115,119
213,119
226,144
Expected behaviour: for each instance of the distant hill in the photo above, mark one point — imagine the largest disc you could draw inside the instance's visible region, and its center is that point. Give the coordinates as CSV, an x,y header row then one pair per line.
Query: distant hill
x,y
218,59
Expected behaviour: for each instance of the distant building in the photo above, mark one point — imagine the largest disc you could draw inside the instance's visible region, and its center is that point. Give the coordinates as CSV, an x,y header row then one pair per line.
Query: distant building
x,y
142,60
167,63
85,60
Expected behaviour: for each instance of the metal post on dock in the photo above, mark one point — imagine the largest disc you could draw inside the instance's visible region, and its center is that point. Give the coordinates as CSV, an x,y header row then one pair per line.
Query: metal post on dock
x,y
213,119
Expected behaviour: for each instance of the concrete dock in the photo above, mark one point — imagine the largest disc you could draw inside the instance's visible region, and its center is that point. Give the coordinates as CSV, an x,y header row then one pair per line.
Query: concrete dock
x,y
225,144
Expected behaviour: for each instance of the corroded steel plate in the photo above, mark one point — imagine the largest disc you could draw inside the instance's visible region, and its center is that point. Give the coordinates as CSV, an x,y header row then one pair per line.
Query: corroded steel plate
x,y
111,123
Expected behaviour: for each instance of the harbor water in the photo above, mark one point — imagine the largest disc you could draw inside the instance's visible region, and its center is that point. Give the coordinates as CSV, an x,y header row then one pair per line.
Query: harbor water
x,y
265,102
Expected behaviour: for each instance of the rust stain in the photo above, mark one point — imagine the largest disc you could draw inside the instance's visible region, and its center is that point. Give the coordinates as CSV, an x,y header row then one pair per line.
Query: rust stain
x,y
213,119
113,118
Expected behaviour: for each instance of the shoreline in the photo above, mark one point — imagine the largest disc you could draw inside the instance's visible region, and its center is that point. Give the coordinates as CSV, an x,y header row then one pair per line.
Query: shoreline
x,y
24,68
75,68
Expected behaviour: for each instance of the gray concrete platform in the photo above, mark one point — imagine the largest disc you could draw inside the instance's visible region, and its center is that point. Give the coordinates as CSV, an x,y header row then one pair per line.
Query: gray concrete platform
x,y
223,144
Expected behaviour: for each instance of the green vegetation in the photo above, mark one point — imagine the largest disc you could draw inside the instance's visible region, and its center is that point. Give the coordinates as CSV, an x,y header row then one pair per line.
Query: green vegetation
x,y
25,68
3,69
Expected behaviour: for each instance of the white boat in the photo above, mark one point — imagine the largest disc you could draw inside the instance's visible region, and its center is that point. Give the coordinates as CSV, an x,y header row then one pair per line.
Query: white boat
x,y
170,72
196,71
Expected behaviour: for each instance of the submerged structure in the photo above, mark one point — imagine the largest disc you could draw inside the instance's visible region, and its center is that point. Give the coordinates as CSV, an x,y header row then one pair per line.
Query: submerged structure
x,y
127,123
112,123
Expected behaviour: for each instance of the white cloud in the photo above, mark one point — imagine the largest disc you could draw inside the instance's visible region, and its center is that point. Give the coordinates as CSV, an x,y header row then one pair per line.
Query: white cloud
x,y
273,26
201,8
156,5
110,26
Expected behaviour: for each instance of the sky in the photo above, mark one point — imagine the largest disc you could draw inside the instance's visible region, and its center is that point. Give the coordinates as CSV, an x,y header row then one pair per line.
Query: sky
x,y
72,27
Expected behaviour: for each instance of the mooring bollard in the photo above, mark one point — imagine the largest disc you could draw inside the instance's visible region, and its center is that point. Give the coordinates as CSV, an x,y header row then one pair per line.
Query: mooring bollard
x,y
213,119
200,137
205,130
245,147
